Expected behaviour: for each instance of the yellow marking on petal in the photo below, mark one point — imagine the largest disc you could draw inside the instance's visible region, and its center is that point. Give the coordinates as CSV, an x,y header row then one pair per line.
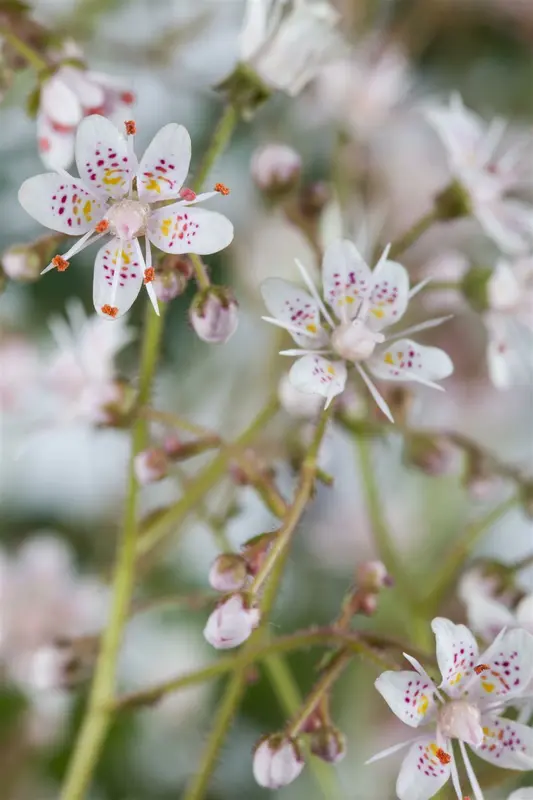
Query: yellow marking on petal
x,y
165,226
311,328
400,355
331,370
489,687
423,704
153,185
389,359
377,312
112,179
87,210
456,678
75,211
349,300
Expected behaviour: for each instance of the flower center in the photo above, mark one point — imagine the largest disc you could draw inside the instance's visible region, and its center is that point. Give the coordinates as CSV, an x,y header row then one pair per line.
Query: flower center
x,y
127,218
354,341
461,720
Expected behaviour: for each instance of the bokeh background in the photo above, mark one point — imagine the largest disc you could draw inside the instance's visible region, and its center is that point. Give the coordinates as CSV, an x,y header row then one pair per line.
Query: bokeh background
x,y
64,483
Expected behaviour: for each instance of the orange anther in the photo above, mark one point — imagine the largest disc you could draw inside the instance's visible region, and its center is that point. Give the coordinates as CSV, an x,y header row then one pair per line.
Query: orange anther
x,y
222,188
111,311
443,756
149,275
481,668
60,263
102,226
131,127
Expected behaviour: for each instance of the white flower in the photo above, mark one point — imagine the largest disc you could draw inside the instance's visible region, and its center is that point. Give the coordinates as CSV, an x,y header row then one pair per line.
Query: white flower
x,y
287,41
466,706
80,375
522,794
42,601
471,147
69,95
277,762
231,623
364,303
509,323
115,195
297,403
364,90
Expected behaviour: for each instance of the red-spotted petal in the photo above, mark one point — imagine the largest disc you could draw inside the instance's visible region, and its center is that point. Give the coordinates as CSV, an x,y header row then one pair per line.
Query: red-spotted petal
x,y
508,667
425,770
180,229
56,147
60,204
103,158
107,302
165,164
405,360
317,375
59,102
296,308
346,277
389,296
410,696
507,744
457,655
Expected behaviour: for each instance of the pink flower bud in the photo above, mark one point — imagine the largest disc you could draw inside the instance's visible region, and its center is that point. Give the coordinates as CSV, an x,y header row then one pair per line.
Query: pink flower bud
x,y
228,572
277,762
150,465
372,576
21,263
329,744
169,284
276,168
231,623
214,315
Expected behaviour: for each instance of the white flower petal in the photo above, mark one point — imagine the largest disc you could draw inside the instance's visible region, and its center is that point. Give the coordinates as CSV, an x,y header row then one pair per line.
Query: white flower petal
x,y
487,616
317,375
59,102
507,744
103,158
56,148
457,655
88,92
296,308
509,666
405,360
509,223
389,296
61,204
129,281
505,364
346,278
461,132
524,612
522,794
422,774
410,696
179,229
165,164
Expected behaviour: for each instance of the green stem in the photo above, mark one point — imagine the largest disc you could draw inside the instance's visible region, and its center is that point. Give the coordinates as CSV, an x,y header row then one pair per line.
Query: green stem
x,y
323,685
414,233
272,567
453,564
98,716
157,529
367,645
30,55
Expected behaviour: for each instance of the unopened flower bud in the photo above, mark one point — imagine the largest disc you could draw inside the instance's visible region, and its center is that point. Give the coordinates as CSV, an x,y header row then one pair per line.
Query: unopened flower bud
x,y
151,465
314,199
329,744
277,762
231,623
169,284
254,551
276,168
372,576
228,572
433,455
476,287
21,263
453,202
214,315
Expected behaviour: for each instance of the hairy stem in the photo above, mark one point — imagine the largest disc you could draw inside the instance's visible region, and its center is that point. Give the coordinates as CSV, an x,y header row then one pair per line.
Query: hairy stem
x,y
414,233
98,716
320,690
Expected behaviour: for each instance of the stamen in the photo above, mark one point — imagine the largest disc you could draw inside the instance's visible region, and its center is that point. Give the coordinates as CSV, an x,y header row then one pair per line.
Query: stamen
x,y
187,194
221,188
149,275
131,127
60,263
481,668
443,756
111,311
102,226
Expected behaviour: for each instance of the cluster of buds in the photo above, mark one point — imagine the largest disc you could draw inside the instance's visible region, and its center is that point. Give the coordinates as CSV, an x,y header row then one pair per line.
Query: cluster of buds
x,y
213,314
372,577
172,276
153,463
276,169
277,761
236,615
